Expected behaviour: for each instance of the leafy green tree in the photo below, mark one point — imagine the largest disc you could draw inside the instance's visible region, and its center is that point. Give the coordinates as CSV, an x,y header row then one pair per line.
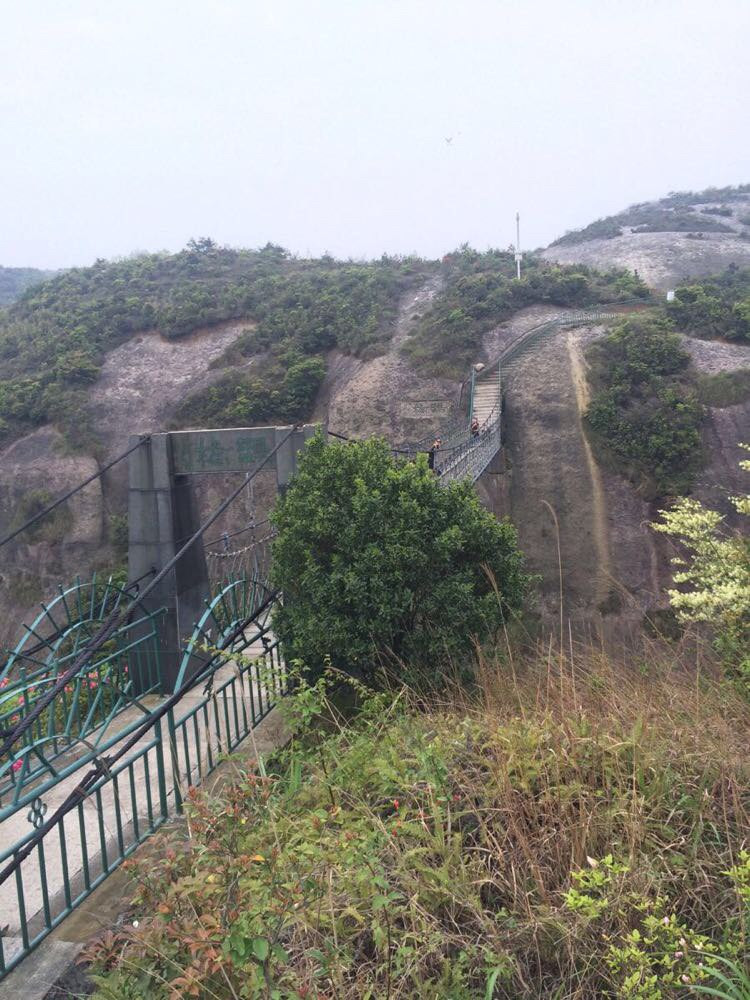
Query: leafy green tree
x,y
714,574
644,412
380,564
717,306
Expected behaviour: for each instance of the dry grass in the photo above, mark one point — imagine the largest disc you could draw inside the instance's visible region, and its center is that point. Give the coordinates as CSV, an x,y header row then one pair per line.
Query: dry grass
x,y
432,851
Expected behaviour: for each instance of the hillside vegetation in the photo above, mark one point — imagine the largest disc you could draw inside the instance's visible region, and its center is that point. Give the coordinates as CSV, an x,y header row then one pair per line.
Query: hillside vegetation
x,y
15,280
481,291
53,341
574,831
717,306
676,213
645,412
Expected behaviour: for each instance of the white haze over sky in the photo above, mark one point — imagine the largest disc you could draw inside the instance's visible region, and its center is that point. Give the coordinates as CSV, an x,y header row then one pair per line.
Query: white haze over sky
x,y
322,124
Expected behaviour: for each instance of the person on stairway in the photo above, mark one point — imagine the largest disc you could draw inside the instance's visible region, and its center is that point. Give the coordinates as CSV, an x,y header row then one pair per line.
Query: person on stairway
x,y
475,426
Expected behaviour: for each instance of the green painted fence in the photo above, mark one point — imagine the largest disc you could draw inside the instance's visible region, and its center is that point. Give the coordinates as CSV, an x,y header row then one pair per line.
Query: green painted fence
x,y
146,788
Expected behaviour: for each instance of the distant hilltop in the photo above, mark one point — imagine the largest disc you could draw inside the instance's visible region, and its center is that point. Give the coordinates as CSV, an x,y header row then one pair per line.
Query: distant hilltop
x,y
685,235
15,280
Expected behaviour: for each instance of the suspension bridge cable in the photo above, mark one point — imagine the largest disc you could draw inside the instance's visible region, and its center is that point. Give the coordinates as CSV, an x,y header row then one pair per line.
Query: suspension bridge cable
x,y
70,493
119,616
240,531
351,440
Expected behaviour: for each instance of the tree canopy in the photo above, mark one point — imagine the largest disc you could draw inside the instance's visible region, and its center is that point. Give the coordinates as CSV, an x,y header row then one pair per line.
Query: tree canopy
x,y
644,411
380,564
718,306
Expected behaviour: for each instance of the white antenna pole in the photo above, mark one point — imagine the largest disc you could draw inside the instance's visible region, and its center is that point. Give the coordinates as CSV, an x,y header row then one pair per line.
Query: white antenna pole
x,y
519,255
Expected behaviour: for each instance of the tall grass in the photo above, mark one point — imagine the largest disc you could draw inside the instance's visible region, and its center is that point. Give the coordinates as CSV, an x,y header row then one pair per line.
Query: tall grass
x,y
570,828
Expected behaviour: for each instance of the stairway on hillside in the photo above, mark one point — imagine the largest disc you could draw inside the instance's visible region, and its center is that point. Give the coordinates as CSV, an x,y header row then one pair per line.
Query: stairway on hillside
x,y
486,396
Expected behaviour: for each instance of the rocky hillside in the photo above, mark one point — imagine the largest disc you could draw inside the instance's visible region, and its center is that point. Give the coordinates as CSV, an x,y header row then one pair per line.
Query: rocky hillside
x,y
669,241
219,337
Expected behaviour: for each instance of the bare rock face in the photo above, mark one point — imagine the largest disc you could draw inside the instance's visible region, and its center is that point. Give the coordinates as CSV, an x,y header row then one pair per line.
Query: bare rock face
x,y
141,383
580,527
36,468
384,396
144,379
663,260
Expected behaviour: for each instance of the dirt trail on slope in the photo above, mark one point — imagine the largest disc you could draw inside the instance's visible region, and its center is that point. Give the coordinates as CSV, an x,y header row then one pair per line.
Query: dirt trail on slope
x,y
598,499
384,396
606,554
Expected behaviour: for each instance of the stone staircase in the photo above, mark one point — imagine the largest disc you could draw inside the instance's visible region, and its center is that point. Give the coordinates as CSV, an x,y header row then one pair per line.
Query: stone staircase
x,y
486,397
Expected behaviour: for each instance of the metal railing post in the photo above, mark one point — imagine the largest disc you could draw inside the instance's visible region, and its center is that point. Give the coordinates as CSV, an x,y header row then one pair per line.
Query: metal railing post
x,y
161,776
174,761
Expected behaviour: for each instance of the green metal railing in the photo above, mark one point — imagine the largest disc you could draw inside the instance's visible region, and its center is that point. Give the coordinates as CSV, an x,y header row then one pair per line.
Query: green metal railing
x,y
86,717
83,850
237,600
469,455
138,795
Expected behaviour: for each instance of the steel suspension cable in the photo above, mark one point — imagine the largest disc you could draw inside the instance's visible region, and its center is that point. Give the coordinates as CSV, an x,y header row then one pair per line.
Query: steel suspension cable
x,y
48,510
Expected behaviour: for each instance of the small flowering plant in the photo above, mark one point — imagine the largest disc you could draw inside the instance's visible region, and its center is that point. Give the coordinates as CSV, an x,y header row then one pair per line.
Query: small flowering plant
x,y
659,953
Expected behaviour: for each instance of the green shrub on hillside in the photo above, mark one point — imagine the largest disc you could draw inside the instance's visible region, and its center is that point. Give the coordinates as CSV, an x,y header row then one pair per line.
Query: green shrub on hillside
x,y
644,410
718,306
272,392
381,566
481,290
669,221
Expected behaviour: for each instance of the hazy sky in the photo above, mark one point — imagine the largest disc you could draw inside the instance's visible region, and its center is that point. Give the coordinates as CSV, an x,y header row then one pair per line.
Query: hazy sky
x,y
322,124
